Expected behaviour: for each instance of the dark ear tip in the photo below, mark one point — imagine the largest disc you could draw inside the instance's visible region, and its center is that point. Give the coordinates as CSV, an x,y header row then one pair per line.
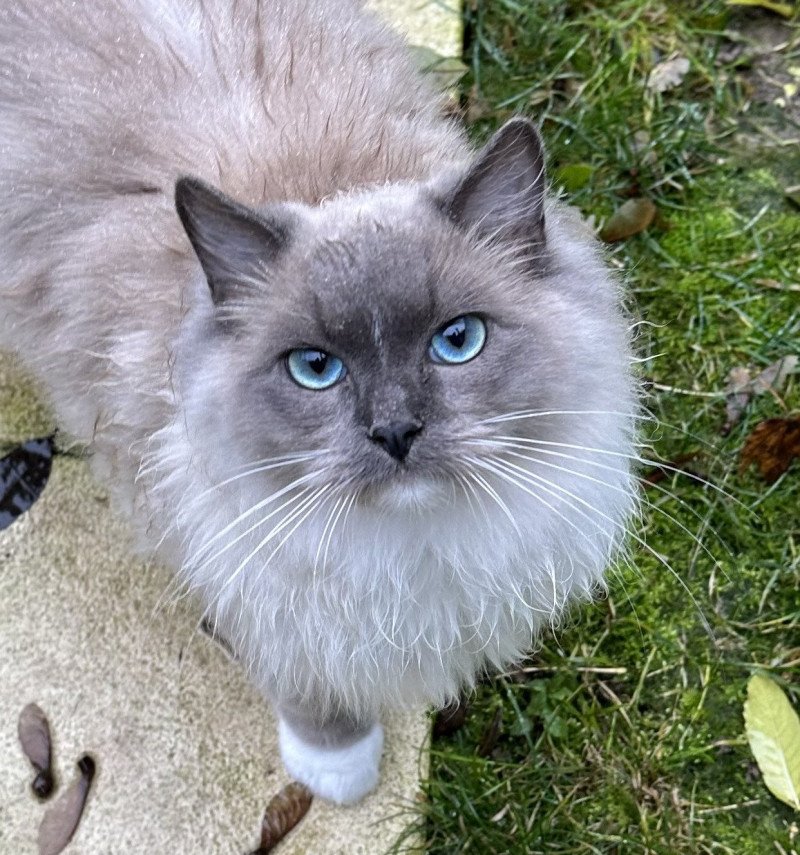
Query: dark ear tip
x,y
190,189
185,187
523,123
521,130
183,190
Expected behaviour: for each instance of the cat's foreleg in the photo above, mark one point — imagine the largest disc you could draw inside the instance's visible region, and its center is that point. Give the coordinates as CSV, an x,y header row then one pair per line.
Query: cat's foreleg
x,y
337,758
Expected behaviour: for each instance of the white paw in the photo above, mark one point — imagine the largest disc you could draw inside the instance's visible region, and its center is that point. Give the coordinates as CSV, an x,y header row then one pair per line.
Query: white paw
x,y
342,775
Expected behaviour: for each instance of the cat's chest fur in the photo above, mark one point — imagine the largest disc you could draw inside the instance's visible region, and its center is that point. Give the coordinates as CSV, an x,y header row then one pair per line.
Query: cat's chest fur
x,y
391,599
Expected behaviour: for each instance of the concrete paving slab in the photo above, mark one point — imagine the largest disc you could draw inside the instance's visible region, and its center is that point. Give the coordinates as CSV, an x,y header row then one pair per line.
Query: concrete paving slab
x,y
433,23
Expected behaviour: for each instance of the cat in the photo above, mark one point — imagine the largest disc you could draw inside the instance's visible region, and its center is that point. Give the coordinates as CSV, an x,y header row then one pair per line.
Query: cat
x,y
366,390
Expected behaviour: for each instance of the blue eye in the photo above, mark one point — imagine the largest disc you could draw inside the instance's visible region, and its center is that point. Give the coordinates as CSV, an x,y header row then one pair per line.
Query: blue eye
x,y
314,369
458,340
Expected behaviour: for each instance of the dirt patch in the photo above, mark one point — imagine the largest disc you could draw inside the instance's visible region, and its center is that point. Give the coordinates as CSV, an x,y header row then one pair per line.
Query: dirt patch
x,y
766,51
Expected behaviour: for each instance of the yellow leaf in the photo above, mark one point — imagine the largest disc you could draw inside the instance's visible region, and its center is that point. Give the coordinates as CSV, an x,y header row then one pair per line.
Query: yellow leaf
x,y
780,8
773,731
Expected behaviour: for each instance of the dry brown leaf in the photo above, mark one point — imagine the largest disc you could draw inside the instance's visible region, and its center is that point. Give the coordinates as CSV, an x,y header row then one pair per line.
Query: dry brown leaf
x,y
630,219
742,387
491,734
283,813
61,819
772,446
208,628
772,378
477,107
451,718
737,396
777,286
668,74
34,735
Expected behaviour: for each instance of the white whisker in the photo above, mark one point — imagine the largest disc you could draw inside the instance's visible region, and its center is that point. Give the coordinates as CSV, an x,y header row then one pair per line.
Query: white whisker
x,y
254,509
622,529
534,414
621,454
493,494
469,492
266,468
330,533
306,503
350,506
314,508
631,494
642,415
491,465
338,506
289,455
292,500
498,444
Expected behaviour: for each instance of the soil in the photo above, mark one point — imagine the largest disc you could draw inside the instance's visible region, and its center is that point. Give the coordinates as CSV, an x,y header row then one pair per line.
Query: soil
x,y
767,47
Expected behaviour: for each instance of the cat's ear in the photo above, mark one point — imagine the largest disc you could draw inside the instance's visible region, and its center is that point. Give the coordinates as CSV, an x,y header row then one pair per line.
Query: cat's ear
x,y
233,243
502,193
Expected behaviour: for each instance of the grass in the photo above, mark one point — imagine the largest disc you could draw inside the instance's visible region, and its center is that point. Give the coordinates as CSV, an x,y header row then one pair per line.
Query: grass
x,y
624,733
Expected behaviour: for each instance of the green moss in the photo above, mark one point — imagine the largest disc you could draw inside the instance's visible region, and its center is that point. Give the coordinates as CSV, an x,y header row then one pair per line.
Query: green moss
x,y
22,414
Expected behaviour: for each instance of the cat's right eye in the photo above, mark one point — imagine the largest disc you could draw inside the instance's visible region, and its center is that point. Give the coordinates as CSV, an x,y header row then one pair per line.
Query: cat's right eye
x,y
314,369
458,341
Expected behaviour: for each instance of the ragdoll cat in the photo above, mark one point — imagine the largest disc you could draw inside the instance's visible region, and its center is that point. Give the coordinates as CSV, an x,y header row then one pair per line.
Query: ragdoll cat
x,y
367,391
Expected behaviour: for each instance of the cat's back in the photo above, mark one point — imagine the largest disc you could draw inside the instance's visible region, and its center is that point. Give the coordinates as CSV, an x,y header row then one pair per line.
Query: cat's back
x,y
288,99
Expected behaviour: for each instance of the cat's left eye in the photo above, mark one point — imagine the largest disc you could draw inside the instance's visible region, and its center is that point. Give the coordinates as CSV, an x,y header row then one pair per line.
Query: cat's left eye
x,y
458,340
314,369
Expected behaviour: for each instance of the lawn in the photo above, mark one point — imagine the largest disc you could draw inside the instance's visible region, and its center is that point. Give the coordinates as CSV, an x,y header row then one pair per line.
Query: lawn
x,y
623,733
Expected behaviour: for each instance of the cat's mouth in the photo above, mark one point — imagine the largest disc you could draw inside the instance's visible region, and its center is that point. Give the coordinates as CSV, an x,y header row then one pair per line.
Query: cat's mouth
x,y
411,493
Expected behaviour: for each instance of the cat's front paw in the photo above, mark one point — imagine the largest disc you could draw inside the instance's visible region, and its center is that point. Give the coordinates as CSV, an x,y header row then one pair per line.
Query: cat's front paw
x,y
341,774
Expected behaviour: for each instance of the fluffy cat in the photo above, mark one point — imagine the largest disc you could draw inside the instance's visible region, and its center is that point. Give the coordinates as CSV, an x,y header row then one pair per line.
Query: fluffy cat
x,y
367,391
